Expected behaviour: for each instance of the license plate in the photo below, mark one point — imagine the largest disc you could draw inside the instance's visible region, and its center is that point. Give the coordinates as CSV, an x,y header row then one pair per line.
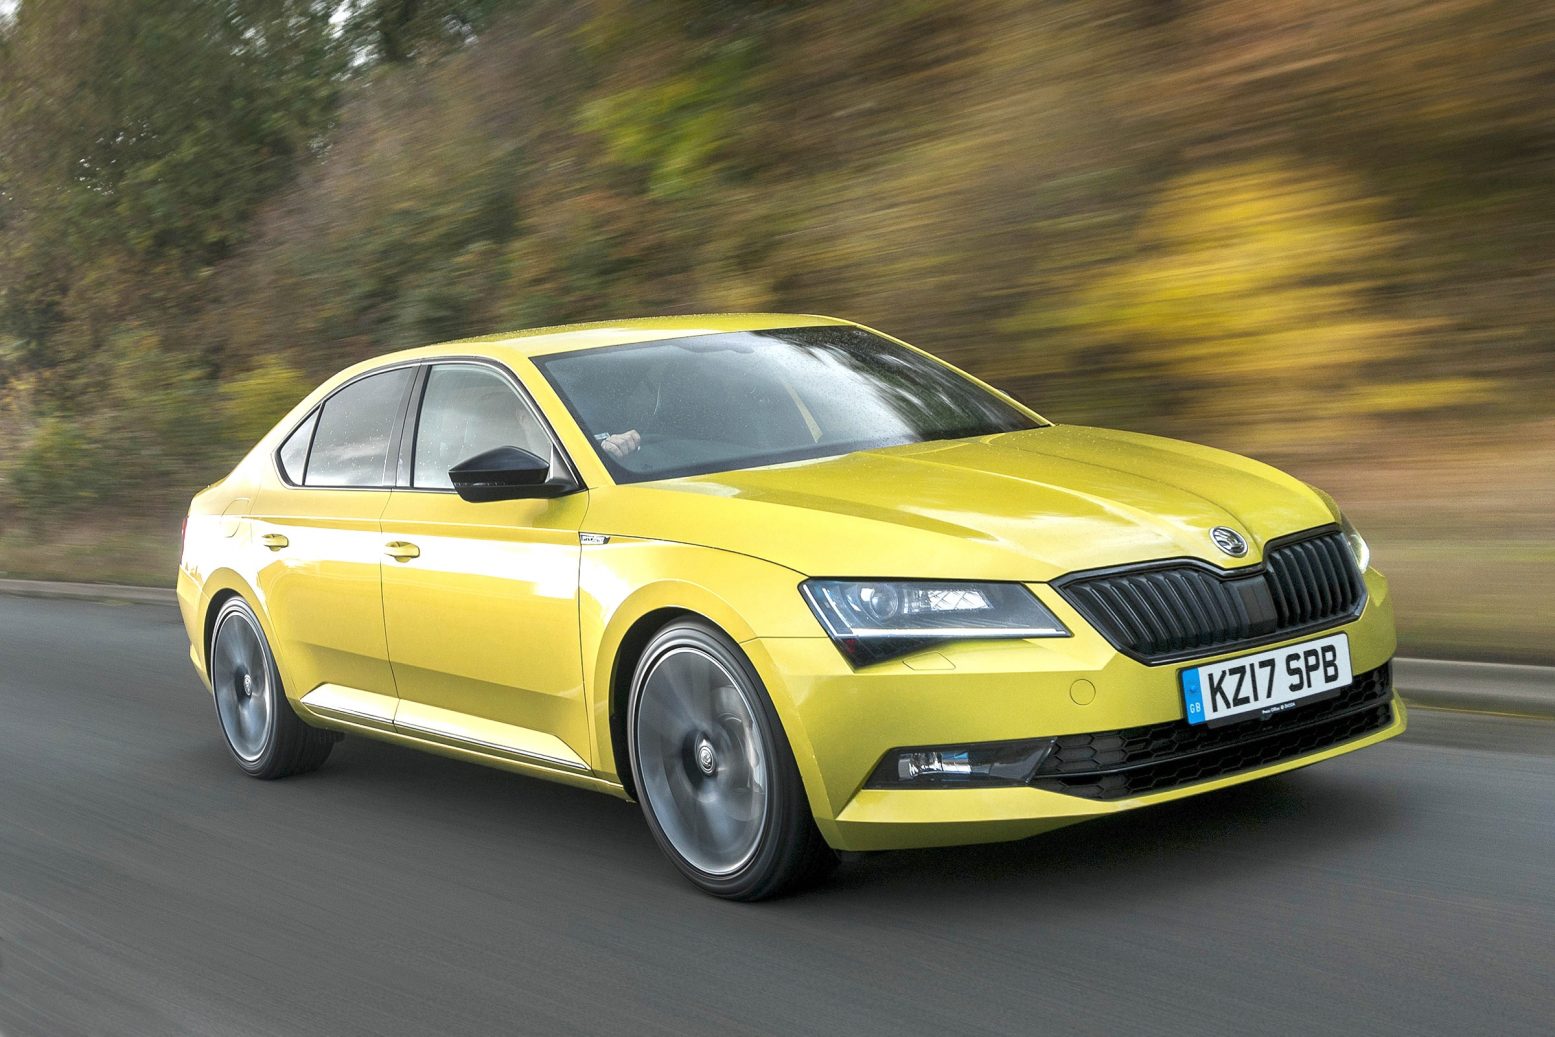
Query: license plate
x,y
1266,683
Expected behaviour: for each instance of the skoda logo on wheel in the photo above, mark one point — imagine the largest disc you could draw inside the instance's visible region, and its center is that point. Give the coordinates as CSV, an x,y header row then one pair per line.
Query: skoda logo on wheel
x,y
1229,541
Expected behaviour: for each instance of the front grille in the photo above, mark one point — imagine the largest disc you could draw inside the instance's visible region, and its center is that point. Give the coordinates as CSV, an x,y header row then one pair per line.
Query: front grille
x,y
1156,757
1313,581
1160,612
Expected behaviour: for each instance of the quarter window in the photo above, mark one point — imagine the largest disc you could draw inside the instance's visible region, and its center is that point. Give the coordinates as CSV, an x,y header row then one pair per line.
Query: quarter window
x,y
467,410
351,446
294,452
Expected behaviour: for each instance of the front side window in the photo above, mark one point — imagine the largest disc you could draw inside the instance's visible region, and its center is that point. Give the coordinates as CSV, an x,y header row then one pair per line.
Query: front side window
x,y
468,410
713,403
351,444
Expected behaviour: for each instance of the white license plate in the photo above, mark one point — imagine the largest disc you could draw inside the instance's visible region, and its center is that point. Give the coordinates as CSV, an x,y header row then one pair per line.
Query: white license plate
x,y
1266,683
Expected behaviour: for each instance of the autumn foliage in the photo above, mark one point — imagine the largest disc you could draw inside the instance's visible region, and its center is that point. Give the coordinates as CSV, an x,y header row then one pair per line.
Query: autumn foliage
x,y
1323,222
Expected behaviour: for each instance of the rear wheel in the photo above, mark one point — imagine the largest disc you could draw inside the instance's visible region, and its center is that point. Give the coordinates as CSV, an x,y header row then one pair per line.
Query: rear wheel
x,y
713,769
265,735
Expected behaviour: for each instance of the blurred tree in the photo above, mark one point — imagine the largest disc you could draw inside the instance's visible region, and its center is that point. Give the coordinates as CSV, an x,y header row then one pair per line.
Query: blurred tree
x,y
137,137
134,425
396,31
1213,217
1250,290
252,401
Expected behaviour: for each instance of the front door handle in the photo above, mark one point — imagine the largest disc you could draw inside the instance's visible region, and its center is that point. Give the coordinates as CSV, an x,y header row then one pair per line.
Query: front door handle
x,y
400,550
274,541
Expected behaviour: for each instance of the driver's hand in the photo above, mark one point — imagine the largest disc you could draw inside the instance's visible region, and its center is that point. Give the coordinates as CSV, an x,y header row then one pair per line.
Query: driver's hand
x,y
622,444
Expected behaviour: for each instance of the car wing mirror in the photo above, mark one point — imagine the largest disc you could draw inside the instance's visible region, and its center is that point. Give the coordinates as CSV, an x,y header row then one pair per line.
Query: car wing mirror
x,y
510,473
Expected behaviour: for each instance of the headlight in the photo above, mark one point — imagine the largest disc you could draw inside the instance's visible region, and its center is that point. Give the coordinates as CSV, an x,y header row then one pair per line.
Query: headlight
x,y
1352,536
1358,546
874,620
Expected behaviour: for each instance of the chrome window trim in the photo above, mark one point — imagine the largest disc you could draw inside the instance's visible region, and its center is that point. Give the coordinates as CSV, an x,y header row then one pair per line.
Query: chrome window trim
x,y
318,408
410,417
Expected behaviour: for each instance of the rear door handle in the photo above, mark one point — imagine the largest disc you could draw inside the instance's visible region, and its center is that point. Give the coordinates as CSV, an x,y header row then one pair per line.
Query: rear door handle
x,y
274,541
401,550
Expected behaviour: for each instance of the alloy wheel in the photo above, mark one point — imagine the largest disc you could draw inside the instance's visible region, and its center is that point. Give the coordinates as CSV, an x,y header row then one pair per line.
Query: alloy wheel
x,y
241,676
702,761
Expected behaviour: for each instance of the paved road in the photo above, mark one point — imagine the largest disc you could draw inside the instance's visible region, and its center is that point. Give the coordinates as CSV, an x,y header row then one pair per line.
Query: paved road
x,y
146,887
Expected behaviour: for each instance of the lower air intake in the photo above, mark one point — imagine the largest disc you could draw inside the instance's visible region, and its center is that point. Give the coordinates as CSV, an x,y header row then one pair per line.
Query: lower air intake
x,y
1135,761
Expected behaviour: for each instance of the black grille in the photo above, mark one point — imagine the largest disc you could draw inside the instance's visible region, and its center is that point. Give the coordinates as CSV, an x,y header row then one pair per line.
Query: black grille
x,y
1138,760
1176,610
1313,581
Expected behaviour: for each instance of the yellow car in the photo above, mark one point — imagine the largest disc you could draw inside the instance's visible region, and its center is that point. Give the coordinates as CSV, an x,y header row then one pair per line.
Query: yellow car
x,y
793,585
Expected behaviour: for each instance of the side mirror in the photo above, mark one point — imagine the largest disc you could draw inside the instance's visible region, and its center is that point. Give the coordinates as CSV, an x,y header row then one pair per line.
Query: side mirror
x,y
508,473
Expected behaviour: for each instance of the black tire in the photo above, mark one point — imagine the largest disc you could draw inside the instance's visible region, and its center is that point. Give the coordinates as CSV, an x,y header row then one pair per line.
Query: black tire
x,y
262,731
688,766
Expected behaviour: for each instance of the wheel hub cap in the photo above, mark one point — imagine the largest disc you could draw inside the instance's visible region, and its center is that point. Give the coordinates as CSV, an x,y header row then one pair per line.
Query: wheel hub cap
x,y
240,678
702,761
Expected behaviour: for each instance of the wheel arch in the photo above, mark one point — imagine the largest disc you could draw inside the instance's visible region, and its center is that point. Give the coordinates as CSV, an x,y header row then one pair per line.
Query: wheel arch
x,y
617,626
212,610
623,668
617,664
220,587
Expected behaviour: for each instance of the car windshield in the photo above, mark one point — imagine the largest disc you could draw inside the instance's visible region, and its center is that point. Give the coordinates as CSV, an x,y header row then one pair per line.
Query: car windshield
x,y
713,403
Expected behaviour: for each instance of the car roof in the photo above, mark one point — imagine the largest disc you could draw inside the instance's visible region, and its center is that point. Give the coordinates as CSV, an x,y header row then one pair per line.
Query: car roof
x,y
564,338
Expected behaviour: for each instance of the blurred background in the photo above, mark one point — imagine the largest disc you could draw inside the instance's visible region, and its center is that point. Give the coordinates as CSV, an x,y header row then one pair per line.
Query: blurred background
x,y
1320,232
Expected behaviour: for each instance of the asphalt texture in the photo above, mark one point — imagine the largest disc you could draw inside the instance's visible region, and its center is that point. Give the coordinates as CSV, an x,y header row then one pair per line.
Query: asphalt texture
x,y
148,887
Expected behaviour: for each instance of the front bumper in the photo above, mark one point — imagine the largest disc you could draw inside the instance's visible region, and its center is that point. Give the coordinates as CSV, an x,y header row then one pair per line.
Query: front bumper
x,y
841,722
882,819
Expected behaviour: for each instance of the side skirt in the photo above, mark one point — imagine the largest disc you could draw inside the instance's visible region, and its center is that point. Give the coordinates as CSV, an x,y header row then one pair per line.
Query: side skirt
x,y
450,734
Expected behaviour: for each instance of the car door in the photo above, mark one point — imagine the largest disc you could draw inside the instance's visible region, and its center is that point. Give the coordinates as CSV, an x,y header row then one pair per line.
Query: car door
x,y
480,600
316,536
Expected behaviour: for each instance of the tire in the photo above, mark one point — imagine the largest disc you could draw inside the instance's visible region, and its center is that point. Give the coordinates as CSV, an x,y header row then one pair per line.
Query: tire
x,y
714,772
261,730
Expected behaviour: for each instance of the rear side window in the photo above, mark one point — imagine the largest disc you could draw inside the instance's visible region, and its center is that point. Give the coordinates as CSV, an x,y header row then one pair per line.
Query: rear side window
x,y
294,452
351,445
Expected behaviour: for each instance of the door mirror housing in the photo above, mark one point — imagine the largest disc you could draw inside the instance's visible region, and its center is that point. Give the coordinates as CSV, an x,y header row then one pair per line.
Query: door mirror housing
x,y
510,473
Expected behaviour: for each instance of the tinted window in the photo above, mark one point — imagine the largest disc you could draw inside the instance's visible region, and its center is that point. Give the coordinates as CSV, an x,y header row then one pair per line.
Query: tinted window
x,y
294,452
468,410
719,402
351,445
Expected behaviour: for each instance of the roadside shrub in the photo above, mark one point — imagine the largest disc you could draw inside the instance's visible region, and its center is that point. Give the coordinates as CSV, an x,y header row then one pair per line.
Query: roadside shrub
x,y
254,400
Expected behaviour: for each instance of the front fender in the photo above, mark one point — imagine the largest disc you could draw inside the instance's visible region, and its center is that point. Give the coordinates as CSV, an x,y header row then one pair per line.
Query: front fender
x,y
623,582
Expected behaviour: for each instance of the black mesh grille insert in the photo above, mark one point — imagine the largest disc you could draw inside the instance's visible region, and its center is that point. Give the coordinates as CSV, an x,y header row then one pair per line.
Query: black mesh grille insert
x,y
1139,760
1164,612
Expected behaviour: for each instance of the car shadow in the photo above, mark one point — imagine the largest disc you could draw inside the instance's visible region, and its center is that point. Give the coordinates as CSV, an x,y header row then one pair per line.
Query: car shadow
x,y
1281,822
1276,822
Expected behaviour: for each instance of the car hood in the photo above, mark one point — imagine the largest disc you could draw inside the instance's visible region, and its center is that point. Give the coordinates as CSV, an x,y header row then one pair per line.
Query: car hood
x,y
1027,506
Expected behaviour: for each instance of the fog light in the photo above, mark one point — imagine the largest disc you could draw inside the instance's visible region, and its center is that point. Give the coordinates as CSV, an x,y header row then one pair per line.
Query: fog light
x,y
910,766
986,763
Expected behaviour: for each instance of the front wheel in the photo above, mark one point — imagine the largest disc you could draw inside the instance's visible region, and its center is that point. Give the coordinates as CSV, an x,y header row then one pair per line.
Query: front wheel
x,y
713,769
266,737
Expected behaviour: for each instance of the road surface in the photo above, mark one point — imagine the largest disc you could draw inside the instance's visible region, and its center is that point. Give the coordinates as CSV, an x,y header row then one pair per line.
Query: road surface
x,y
147,887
